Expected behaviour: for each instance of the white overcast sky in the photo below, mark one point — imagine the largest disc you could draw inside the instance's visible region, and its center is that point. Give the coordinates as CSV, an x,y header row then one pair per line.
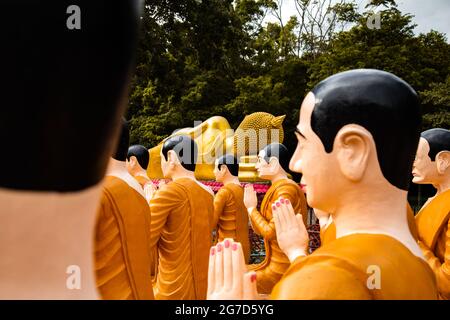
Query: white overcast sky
x,y
428,14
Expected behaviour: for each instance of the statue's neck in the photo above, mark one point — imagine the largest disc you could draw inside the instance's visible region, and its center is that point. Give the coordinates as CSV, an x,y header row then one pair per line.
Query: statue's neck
x,y
231,180
141,173
46,239
279,176
183,174
375,213
442,185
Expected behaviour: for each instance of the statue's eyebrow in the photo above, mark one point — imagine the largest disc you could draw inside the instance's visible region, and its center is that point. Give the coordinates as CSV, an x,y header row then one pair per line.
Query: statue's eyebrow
x,y
299,132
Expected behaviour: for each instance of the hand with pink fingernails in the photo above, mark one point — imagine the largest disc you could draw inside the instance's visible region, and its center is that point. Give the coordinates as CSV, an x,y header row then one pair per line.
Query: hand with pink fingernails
x,y
292,235
227,276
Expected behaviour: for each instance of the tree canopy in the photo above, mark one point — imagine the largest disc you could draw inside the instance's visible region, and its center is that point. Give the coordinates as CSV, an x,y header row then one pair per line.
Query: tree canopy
x,y
201,58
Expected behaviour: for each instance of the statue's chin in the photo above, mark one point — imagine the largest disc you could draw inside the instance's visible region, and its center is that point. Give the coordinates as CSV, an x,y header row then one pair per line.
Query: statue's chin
x,y
418,180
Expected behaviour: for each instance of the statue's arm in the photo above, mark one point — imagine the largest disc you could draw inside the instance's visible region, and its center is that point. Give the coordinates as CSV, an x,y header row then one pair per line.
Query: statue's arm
x,y
220,200
261,226
290,193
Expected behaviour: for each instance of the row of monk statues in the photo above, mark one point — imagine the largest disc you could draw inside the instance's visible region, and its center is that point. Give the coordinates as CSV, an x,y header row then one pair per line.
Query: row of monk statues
x,y
84,215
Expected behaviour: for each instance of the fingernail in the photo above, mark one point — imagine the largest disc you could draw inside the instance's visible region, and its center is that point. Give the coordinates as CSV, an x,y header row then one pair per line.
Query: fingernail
x,y
282,200
213,251
278,204
219,247
274,208
253,277
287,201
234,246
227,243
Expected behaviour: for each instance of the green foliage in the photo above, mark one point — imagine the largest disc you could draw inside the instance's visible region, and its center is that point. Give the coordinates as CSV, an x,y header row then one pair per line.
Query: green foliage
x,y
436,104
198,59
419,60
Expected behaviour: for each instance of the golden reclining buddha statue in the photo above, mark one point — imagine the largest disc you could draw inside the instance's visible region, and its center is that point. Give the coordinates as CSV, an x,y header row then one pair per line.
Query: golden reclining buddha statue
x,y
215,137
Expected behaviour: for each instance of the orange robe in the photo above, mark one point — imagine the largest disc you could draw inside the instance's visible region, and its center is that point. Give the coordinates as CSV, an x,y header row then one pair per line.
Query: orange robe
x,y
270,271
433,224
154,252
181,226
231,217
412,222
329,234
142,180
349,267
122,242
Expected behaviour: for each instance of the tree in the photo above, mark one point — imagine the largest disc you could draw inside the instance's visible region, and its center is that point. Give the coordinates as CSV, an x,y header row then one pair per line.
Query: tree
x,y
419,60
436,105
189,55
201,58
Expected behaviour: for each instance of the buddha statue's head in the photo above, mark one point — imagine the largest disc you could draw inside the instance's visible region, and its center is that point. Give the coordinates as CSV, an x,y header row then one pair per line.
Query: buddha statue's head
x,y
272,161
225,167
432,162
138,158
178,156
256,131
357,134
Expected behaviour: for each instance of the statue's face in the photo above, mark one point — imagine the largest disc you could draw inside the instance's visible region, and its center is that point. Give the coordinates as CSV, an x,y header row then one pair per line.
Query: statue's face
x,y
424,169
310,159
265,170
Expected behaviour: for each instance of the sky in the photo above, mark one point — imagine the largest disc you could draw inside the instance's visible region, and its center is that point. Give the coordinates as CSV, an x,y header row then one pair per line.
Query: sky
x,y
428,14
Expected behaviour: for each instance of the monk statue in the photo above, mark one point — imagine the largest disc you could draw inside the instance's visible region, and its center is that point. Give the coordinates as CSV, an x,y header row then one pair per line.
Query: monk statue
x,y
122,233
230,213
181,224
358,171
432,166
65,93
214,138
272,165
137,163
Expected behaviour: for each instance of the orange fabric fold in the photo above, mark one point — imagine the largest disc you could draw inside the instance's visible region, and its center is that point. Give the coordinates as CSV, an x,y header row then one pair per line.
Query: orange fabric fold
x,y
327,234
122,260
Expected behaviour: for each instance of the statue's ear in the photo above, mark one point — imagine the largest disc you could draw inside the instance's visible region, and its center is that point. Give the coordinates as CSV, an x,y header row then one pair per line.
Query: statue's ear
x,y
223,169
277,121
353,146
172,157
274,162
442,161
